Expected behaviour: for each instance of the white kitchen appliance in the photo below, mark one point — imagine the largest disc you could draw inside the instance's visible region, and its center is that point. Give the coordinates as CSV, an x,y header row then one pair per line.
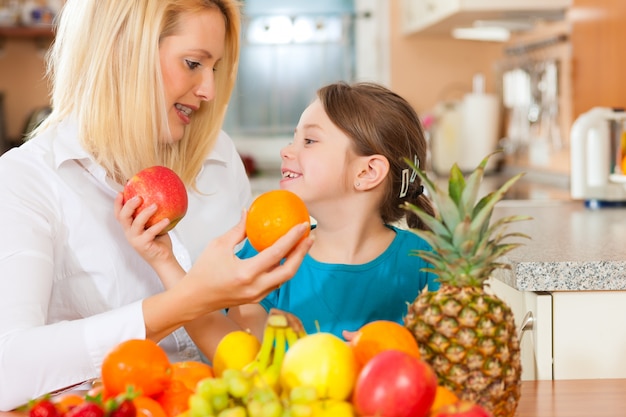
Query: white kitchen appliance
x,y
466,131
596,151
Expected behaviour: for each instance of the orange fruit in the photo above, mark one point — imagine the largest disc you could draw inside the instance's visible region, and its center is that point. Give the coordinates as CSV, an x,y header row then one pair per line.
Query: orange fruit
x,y
271,215
379,335
148,407
185,376
67,401
443,396
236,350
175,399
137,362
191,372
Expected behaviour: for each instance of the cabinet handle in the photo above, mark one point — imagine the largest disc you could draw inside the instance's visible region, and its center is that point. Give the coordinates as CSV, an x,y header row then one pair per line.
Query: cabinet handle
x,y
528,322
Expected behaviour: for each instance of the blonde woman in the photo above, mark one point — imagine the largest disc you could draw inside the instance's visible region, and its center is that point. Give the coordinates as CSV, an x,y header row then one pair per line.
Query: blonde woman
x,y
135,83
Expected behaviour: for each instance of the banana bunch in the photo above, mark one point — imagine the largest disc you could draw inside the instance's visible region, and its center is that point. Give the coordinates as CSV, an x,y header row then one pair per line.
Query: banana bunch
x,y
282,330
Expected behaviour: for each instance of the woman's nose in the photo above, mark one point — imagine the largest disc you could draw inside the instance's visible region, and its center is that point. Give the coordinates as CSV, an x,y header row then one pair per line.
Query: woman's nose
x,y
206,89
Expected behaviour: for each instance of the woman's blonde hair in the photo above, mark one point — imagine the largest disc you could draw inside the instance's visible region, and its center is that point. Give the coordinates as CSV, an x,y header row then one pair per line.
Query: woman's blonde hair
x,y
105,70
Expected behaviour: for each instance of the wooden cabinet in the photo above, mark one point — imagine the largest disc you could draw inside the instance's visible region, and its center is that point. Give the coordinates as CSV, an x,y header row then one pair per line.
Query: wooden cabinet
x,y
598,41
28,32
440,16
41,35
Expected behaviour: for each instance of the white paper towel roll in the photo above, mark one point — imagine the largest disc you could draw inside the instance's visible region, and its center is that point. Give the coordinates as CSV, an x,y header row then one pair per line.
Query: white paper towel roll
x,y
447,134
481,122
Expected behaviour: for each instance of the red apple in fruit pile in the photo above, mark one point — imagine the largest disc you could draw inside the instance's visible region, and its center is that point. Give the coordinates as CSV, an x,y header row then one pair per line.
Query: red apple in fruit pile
x,y
461,409
395,384
161,186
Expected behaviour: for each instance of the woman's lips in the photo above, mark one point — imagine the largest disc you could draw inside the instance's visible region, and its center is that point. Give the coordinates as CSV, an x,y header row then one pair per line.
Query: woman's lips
x,y
183,112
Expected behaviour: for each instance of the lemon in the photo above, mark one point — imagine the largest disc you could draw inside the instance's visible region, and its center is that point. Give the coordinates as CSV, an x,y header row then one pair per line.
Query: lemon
x,y
234,351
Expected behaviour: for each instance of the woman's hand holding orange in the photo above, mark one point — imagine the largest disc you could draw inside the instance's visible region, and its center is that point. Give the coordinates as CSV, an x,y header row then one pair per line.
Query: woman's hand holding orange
x,y
233,281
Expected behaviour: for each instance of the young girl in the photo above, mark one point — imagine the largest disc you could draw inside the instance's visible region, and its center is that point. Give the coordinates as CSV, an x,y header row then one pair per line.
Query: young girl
x,y
347,162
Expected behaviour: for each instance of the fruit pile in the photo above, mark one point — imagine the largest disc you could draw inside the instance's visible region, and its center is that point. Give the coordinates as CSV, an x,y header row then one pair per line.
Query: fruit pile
x,y
290,374
137,380
378,373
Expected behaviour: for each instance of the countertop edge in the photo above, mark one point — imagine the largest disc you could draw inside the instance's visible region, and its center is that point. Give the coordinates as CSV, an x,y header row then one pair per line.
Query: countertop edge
x,y
564,276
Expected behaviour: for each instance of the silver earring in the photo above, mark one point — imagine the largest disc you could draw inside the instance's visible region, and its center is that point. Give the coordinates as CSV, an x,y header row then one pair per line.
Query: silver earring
x,y
358,184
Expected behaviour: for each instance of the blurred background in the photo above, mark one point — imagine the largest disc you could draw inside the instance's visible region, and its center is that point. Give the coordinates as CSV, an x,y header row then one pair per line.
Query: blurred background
x,y
531,67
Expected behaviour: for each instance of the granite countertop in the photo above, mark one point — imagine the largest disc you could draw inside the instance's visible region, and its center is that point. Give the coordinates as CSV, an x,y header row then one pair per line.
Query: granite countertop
x,y
572,248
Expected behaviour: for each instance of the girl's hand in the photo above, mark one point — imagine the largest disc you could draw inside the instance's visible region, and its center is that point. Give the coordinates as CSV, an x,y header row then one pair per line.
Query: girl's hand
x,y
348,335
155,249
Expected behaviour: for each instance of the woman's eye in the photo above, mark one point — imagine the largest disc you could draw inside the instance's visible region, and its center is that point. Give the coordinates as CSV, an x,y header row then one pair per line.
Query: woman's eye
x,y
308,141
192,64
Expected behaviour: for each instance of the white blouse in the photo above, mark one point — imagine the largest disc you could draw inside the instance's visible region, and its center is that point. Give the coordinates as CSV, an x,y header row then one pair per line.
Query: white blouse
x,y
71,286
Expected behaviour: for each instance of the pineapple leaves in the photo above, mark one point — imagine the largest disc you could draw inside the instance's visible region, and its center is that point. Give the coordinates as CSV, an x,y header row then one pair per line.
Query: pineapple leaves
x,y
433,224
466,248
484,208
470,192
456,184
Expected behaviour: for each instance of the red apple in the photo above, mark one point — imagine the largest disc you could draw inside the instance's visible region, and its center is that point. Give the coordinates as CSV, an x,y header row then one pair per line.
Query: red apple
x,y
161,186
395,384
461,408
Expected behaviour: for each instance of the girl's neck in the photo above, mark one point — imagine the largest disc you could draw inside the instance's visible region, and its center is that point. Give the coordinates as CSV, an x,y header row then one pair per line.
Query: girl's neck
x,y
350,242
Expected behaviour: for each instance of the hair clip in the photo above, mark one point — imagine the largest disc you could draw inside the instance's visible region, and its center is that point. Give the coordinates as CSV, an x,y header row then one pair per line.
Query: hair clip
x,y
408,179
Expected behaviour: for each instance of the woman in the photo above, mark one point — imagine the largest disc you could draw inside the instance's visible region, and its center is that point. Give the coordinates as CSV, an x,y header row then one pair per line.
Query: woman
x,y
135,83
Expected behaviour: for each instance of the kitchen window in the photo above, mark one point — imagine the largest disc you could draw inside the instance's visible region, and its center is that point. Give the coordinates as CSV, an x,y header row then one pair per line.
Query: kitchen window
x,y
289,50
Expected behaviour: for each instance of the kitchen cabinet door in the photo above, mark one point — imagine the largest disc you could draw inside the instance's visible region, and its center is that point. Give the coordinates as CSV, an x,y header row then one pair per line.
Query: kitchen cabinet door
x,y
589,334
533,318
420,14
440,16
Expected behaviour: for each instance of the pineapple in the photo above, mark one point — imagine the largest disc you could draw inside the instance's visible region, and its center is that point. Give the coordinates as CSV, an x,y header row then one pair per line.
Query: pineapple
x,y
465,333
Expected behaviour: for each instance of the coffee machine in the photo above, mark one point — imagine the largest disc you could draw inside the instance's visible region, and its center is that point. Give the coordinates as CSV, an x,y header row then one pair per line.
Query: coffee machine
x,y
597,149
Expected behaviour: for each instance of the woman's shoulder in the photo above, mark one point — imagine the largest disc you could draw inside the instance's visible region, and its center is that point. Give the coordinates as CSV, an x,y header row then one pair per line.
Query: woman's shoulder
x,y
27,161
224,148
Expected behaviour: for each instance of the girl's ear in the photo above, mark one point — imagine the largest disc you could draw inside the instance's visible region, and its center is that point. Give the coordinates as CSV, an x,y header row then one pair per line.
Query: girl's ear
x,y
374,170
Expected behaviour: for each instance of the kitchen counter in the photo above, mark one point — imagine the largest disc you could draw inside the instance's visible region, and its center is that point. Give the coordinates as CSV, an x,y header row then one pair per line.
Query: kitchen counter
x,y
579,398
574,398
572,248
567,288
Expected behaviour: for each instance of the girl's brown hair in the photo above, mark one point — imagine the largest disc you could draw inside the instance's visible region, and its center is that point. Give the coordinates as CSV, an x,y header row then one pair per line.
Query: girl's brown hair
x,y
381,122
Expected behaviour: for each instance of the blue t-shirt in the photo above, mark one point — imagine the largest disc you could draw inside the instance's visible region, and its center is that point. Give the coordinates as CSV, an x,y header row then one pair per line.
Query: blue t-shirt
x,y
341,297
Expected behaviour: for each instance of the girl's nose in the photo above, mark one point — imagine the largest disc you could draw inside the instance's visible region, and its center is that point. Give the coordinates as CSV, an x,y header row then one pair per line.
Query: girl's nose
x,y
206,89
285,152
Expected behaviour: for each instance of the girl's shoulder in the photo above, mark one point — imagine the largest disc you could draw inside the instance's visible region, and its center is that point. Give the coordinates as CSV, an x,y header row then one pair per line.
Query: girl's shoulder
x,y
406,237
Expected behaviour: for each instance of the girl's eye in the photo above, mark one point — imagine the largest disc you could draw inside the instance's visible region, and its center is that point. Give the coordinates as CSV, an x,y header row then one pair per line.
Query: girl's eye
x,y
192,64
308,141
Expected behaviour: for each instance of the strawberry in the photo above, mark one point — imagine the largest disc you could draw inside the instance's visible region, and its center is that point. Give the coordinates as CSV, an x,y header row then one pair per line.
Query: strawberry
x,y
125,408
43,408
86,409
